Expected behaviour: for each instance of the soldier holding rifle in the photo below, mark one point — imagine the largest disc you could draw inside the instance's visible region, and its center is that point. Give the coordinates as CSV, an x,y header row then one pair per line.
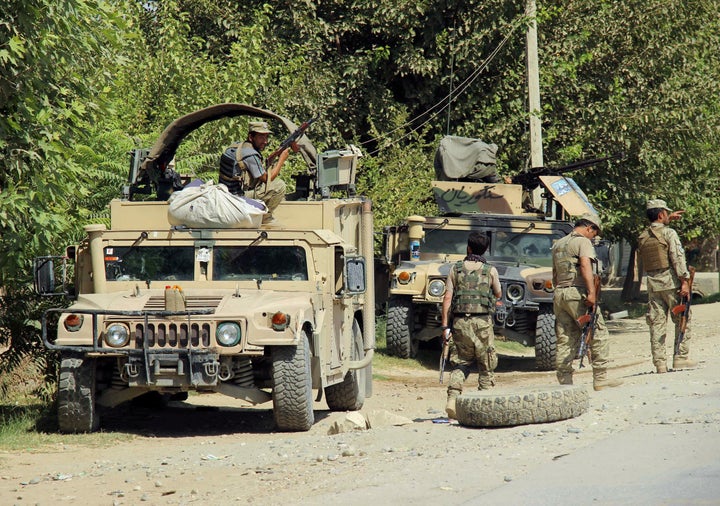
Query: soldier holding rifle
x,y
575,294
471,290
668,284
243,171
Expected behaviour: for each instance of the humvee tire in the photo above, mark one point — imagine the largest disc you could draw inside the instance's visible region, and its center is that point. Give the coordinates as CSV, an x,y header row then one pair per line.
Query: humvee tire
x,y
508,407
545,339
292,386
76,408
399,328
350,394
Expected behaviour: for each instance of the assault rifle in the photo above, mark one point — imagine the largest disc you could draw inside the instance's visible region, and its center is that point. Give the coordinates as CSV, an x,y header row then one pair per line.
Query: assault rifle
x,y
684,309
445,353
589,321
288,142
530,179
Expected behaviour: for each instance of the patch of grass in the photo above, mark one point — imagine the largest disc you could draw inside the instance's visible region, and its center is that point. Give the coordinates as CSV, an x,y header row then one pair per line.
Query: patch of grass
x,y
710,299
511,347
428,356
33,427
20,426
612,303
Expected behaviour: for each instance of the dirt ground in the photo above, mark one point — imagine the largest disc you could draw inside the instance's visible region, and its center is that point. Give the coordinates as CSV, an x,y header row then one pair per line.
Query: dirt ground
x,y
217,450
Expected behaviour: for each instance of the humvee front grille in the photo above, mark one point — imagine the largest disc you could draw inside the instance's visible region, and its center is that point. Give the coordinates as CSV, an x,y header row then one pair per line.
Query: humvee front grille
x,y
172,334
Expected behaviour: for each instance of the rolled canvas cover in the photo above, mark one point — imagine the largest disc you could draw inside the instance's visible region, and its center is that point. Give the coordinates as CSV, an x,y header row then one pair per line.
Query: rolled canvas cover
x,y
213,206
464,158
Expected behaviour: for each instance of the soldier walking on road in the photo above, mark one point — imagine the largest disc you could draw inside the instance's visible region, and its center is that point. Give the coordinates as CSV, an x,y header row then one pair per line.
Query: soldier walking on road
x,y
663,260
573,268
471,290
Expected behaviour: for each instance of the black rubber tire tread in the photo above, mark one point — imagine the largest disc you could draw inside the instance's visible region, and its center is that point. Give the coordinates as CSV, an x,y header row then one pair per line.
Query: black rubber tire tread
x,y
76,408
509,407
349,395
545,339
398,332
292,387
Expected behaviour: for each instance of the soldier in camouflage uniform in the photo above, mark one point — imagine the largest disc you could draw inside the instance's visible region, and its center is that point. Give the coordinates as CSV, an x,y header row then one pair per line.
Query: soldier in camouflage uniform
x,y
663,260
471,290
573,268
244,173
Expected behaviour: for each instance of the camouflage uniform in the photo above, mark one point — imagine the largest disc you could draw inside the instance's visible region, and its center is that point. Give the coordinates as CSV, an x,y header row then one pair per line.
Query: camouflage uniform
x,y
473,339
271,192
663,259
242,166
569,305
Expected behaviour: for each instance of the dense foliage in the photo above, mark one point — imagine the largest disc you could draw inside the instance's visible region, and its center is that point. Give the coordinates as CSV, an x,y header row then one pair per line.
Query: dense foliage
x,y
82,82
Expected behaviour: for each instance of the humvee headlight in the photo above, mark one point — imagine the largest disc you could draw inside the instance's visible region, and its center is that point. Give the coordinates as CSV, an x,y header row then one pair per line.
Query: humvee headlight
x,y
436,287
404,277
228,334
280,321
117,335
515,292
73,322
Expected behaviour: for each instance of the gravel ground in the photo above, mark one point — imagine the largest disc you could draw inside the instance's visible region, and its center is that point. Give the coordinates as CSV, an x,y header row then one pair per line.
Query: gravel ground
x,y
214,449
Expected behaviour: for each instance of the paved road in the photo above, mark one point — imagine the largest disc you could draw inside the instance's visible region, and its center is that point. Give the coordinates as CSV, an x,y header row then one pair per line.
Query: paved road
x,y
677,462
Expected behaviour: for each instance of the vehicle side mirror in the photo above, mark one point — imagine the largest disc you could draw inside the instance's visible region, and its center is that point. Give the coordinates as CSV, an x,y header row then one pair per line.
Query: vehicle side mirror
x,y
44,275
355,275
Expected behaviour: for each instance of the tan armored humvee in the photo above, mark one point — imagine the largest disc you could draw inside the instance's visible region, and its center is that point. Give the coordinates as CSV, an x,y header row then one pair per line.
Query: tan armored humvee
x,y
262,314
421,251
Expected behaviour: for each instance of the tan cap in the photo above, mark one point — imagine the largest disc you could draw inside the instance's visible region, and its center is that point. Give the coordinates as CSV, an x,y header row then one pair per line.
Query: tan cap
x,y
658,204
592,218
259,127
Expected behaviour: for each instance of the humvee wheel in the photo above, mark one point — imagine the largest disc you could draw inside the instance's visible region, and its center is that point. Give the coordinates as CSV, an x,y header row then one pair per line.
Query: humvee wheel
x,y
507,407
292,386
350,394
545,339
399,328
76,408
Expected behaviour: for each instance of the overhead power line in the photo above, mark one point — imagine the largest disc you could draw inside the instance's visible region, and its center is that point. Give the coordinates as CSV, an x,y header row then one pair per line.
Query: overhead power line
x,y
444,103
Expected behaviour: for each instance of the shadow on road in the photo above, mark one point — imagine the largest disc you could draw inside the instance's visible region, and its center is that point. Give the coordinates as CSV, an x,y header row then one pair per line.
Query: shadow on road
x,y
185,419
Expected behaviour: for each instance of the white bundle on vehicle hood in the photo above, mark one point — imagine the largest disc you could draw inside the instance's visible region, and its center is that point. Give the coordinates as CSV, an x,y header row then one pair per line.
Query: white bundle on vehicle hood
x,y
213,206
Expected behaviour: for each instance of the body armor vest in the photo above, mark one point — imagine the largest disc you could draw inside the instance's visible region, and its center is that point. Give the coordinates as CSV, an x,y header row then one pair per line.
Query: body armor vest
x,y
653,250
564,264
230,168
473,293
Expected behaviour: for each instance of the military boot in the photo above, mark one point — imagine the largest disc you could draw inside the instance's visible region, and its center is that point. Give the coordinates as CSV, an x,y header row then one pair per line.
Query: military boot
x,y
450,406
606,383
565,378
661,368
683,363
601,381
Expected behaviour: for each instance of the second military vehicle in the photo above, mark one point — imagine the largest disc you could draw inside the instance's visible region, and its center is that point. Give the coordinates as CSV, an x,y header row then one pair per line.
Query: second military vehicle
x,y
420,252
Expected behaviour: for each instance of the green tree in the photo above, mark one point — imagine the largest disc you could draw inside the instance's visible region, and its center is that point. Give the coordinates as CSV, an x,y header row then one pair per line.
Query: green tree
x,y
50,91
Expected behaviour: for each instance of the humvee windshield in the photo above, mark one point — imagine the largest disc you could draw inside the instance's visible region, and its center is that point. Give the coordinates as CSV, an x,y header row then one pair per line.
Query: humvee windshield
x,y
177,263
515,246
142,263
260,262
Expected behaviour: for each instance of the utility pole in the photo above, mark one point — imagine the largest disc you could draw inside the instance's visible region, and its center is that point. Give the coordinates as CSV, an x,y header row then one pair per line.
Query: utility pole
x,y
533,77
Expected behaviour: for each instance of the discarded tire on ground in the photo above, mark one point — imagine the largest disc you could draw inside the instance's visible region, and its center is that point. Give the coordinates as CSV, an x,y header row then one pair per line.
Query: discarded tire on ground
x,y
506,407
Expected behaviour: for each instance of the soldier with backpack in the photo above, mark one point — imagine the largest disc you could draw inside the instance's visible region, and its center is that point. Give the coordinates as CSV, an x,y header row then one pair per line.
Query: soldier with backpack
x,y
472,288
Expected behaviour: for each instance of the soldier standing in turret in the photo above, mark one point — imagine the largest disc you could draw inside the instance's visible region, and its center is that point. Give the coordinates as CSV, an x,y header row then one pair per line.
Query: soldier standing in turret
x,y
573,261
471,290
663,260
